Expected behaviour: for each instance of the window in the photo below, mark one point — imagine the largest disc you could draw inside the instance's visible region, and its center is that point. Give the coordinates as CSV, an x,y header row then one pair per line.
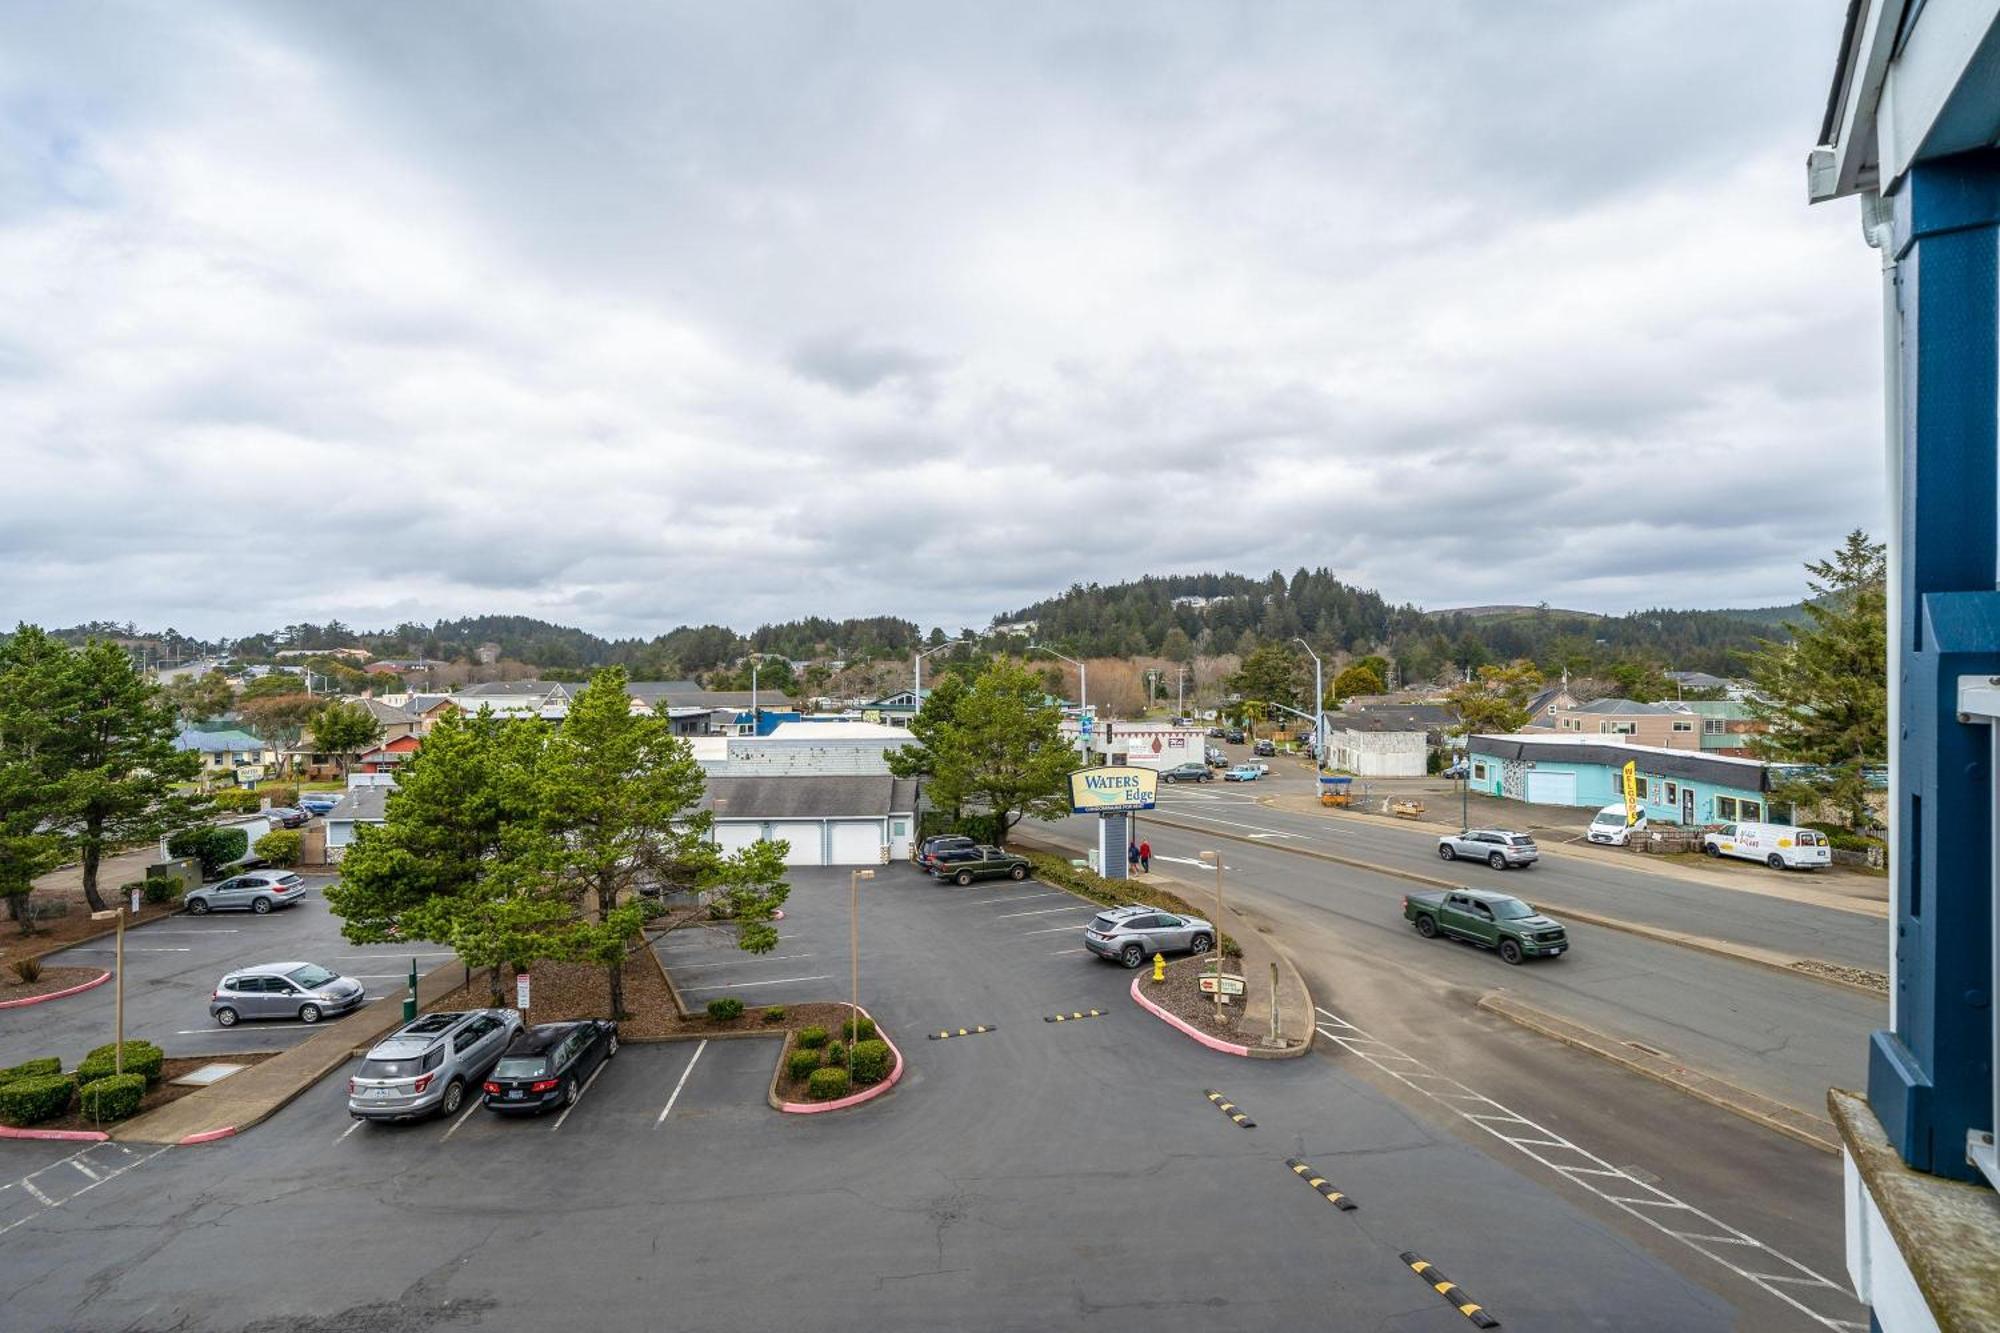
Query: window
x,y
1479,772
1618,728
1725,809
1683,726
1751,811
1639,787
1673,794
1711,726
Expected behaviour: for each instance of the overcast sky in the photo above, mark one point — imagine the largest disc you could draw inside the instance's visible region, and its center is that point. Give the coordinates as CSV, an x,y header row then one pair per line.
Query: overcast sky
x,y
632,315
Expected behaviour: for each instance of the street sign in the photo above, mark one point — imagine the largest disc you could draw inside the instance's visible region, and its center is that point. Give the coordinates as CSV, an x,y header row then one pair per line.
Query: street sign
x,y
1099,791
521,991
1231,985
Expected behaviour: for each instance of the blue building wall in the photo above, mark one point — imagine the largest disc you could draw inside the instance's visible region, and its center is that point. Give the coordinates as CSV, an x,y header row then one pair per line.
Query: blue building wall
x,y
1600,785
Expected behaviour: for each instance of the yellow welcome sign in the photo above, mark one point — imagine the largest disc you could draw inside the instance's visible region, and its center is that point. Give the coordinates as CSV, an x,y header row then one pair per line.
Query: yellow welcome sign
x,y
1107,790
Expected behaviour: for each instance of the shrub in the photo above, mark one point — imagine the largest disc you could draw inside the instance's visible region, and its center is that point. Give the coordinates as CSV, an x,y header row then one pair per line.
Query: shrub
x,y
827,1084
774,1013
865,1024
801,1064
836,1054
812,1038
112,1098
870,1061
725,1008
281,846
29,1101
286,794
41,1068
26,970
130,887
162,888
141,1057
213,847
235,801
42,911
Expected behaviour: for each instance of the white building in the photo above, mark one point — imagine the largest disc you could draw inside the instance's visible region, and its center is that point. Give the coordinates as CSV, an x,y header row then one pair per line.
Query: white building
x,y
824,821
803,749
1157,745
1376,753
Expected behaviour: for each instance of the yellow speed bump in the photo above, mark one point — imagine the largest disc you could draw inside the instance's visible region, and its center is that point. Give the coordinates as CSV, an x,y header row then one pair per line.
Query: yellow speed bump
x,y
945,1034
1073,1016
1228,1108
1448,1289
1305,1172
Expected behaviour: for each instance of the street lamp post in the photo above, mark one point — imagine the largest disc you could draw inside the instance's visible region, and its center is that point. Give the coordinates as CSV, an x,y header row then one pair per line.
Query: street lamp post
x,y
920,666
118,914
1082,692
1319,706
1216,857
854,958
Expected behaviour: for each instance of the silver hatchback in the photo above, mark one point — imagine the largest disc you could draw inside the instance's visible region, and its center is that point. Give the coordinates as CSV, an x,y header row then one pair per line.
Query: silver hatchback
x,y
428,1066
1131,935
303,992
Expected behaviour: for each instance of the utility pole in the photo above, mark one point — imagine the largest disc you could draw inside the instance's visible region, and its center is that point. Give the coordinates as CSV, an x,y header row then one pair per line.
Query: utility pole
x,y
854,958
1319,705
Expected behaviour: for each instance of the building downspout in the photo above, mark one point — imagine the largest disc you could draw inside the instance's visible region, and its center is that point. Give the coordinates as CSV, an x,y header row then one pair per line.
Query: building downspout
x,y
1878,226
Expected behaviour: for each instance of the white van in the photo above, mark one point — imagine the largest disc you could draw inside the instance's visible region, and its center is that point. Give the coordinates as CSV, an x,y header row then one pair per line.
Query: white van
x,y
1779,846
1608,826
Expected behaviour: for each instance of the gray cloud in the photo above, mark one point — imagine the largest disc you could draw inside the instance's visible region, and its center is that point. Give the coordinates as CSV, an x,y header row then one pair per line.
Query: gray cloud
x,y
628,316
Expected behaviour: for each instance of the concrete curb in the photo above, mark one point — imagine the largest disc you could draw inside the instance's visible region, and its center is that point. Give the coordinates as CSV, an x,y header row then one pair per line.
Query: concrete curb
x,y
97,980
1213,1043
1811,1130
855,1098
1742,953
208,1136
56,1135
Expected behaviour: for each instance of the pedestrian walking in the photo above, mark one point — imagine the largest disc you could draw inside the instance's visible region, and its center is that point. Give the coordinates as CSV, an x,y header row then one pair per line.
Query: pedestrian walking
x,y
1132,857
1146,857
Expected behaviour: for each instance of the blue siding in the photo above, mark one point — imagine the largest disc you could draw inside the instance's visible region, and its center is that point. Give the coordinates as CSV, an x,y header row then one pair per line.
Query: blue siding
x,y
1599,785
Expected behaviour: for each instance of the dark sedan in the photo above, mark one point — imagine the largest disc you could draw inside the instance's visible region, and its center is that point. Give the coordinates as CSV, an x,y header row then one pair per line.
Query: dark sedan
x,y
547,1065
285,816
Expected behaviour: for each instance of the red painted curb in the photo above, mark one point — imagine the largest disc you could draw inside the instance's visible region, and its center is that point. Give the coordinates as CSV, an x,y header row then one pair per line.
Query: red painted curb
x,y
1213,1043
207,1136
63,1135
57,994
778,914
854,1099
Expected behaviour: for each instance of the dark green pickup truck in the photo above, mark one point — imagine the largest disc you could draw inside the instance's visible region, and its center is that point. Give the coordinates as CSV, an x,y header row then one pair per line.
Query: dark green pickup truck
x,y
1490,919
962,865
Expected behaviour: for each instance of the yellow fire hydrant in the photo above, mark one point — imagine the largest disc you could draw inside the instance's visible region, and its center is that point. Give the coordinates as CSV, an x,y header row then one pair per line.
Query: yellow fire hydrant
x,y
1159,968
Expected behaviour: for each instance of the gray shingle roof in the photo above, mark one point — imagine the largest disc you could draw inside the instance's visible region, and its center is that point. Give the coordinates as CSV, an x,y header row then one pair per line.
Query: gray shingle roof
x,y
1689,764
830,797
361,804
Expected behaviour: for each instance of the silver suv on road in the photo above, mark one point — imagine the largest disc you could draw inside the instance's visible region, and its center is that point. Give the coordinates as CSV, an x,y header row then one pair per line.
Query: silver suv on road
x,y
1131,935
1496,847
429,1065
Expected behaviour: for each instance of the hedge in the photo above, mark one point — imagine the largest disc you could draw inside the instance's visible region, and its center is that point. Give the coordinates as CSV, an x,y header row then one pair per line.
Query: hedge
x,y
865,1023
29,1101
111,1098
213,847
826,1084
277,795
281,846
40,1068
162,888
812,1037
141,1057
870,1061
1057,870
236,801
801,1064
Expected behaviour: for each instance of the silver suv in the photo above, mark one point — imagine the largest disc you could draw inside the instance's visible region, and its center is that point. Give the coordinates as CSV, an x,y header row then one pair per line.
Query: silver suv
x,y
252,891
428,1066
1496,847
1133,934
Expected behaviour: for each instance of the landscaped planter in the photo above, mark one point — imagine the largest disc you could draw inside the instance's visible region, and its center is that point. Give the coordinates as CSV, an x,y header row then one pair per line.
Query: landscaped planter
x,y
792,1090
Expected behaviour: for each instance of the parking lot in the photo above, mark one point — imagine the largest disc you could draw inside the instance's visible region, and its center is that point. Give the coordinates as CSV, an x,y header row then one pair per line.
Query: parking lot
x,y
171,968
1038,1175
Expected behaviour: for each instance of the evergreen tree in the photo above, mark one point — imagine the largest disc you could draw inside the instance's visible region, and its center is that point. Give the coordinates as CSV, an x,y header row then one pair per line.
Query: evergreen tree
x,y
1002,750
30,667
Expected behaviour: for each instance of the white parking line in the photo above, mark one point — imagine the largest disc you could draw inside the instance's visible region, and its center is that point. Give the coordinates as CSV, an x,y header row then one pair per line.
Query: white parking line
x,y
1012,898
358,1123
746,958
1060,952
185,948
1048,911
462,1119
35,1190
582,1092
78,1163
1622,1189
1052,930
216,930
745,985
683,1082
28,1186
391,957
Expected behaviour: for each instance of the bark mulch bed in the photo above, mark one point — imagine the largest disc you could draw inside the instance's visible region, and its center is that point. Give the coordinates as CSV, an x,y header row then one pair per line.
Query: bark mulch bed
x,y
52,980
1182,996
161,1092
784,1087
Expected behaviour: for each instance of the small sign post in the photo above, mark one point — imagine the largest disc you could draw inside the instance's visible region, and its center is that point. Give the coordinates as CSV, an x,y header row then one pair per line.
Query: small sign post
x,y
521,992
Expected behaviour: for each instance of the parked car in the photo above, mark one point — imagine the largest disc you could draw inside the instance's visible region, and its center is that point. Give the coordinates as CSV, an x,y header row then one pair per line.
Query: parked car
x,y
1188,772
928,850
318,803
252,891
1264,749
1215,758
425,1067
1216,733
1243,773
305,992
1608,826
1131,935
1234,735
286,816
1458,772
1496,847
1491,920
547,1066
1779,846
961,867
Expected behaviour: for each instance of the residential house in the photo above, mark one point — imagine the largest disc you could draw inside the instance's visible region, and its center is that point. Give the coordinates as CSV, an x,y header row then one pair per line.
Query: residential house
x,y
1546,703
231,755
859,820
1669,726
1386,741
895,709
1680,785
361,805
388,756
1727,725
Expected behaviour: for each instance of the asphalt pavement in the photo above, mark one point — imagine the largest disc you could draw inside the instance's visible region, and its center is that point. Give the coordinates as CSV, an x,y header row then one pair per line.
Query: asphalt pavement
x,y
171,968
1039,1175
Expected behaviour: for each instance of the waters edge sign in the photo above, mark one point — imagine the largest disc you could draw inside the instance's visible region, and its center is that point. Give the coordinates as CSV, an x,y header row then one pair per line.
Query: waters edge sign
x,y
1099,791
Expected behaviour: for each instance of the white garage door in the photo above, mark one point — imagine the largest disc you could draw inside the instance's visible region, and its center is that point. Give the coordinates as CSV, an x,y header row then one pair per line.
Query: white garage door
x,y
804,838
1552,788
857,842
735,837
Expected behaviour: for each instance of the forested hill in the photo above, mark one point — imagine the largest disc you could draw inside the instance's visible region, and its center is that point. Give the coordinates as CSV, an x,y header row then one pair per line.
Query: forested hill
x,y
1174,616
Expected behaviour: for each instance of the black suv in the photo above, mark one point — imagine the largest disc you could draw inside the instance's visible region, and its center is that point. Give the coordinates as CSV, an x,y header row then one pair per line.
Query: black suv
x,y
929,850
1264,749
1234,735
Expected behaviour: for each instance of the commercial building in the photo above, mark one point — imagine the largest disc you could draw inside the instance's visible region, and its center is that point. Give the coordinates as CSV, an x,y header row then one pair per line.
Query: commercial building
x,y
1676,786
823,821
